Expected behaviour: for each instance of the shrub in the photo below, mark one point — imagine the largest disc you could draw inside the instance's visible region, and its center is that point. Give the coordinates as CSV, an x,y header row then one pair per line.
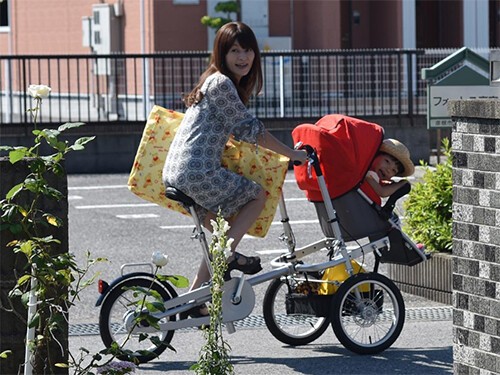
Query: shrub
x,y
428,208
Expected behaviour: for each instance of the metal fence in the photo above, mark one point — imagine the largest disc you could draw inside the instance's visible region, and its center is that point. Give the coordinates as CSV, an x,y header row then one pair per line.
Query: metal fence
x,y
122,88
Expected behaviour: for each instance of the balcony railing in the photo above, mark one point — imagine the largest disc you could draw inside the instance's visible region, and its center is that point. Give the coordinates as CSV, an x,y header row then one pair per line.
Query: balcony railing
x,y
122,88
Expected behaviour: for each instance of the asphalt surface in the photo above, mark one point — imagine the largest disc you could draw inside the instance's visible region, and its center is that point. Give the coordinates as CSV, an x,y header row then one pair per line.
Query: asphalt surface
x,y
108,221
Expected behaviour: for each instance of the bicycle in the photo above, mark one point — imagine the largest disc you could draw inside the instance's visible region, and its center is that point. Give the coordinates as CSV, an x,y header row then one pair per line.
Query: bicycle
x,y
366,312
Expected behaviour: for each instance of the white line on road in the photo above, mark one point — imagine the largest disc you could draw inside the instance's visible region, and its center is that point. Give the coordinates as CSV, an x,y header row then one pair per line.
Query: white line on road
x,y
125,186
177,226
128,205
287,181
98,187
137,216
122,205
269,252
298,222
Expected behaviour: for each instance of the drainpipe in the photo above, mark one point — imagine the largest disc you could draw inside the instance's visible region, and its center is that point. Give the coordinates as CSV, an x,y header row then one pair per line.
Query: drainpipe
x,y
145,62
8,67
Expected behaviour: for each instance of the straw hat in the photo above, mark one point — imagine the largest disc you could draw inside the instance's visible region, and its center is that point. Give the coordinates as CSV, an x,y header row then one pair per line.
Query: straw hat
x,y
399,151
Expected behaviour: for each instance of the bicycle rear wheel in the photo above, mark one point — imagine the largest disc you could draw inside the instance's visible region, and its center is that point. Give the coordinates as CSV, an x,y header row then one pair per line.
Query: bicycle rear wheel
x,y
119,305
296,329
368,313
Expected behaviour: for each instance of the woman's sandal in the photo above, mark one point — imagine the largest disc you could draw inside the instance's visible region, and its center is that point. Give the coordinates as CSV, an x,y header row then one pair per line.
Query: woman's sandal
x,y
250,266
195,312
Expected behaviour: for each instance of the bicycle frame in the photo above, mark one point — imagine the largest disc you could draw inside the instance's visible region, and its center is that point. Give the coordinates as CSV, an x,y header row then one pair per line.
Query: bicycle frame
x,y
239,297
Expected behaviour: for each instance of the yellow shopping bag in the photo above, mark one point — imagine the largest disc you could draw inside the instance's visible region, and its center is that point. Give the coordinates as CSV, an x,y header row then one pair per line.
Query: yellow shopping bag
x,y
265,167
334,276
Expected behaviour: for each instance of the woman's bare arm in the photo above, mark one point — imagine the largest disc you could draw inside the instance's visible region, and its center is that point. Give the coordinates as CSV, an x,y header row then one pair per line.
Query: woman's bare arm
x,y
267,140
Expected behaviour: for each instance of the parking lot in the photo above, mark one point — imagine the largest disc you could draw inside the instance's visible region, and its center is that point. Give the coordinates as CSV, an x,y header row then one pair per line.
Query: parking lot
x,y
108,221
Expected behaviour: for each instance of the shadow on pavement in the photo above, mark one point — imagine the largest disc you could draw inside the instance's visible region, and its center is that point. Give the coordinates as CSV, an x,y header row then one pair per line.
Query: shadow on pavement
x,y
335,359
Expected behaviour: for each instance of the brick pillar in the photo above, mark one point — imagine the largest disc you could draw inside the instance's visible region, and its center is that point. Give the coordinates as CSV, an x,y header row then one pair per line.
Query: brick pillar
x,y
476,236
12,329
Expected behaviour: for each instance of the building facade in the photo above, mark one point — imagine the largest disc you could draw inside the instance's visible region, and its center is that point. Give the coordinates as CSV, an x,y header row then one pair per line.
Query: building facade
x,y
147,26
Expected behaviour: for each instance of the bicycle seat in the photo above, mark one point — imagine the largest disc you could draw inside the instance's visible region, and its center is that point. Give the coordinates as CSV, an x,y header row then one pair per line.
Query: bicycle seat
x,y
179,196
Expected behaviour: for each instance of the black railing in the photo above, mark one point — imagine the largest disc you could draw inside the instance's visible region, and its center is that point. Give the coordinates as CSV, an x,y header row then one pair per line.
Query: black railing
x,y
122,88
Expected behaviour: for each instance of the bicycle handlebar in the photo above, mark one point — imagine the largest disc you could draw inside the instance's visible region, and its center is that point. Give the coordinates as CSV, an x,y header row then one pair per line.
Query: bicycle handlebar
x,y
311,155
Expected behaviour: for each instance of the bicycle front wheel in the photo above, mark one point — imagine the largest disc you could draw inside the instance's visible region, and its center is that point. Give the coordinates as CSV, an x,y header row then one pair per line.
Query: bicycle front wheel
x,y
117,308
296,329
368,313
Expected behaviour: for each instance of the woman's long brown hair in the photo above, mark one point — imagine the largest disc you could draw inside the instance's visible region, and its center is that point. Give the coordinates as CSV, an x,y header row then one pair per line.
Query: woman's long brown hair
x,y
224,40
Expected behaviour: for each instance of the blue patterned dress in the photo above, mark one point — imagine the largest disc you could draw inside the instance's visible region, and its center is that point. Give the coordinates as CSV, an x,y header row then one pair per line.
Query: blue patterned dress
x,y
193,163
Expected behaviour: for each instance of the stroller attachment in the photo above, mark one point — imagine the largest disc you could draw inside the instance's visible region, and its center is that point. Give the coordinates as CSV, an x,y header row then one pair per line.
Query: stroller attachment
x,y
346,147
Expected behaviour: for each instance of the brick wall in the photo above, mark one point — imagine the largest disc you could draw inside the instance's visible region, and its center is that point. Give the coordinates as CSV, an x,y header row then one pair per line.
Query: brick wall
x,y
476,236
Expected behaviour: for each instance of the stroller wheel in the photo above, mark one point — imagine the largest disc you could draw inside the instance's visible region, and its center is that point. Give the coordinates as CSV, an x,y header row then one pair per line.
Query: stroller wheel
x,y
368,313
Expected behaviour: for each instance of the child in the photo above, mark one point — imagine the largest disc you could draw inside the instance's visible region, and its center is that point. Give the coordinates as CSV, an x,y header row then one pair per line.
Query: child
x,y
393,159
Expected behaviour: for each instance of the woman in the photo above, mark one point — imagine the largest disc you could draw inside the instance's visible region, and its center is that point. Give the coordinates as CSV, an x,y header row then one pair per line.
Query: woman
x,y
215,112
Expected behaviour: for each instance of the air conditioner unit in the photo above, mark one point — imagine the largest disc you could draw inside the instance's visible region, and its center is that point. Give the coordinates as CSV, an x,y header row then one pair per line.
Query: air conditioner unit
x,y
87,31
101,32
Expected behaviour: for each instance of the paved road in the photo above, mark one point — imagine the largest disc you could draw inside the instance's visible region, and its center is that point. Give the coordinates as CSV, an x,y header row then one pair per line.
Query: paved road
x,y
109,221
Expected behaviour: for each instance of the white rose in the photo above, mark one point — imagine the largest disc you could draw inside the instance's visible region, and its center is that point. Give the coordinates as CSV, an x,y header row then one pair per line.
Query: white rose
x,y
39,91
159,259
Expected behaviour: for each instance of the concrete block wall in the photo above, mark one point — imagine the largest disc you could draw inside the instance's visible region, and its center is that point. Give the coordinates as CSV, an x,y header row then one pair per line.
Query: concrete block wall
x,y
115,146
476,236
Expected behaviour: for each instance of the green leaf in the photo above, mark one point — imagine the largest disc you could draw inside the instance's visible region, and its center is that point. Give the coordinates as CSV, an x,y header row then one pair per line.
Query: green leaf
x,y
32,185
61,146
152,321
53,220
23,279
50,136
155,294
17,154
178,280
5,354
53,193
58,168
34,321
14,190
26,248
227,7
155,306
62,365
80,143
70,125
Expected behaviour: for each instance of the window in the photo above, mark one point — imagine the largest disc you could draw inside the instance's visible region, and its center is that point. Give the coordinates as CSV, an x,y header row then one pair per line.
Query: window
x,y
97,19
97,37
4,14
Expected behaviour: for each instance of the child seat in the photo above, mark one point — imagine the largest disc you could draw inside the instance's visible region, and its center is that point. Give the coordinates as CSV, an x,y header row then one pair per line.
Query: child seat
x,y
346,147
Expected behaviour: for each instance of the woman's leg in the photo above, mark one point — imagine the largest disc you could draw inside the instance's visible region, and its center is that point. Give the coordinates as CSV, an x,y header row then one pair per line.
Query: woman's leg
x,y
245,218
202,276
243,221
239,226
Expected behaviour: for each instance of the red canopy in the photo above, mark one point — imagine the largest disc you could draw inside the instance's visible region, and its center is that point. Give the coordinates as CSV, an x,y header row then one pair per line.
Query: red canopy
x,y
345,146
